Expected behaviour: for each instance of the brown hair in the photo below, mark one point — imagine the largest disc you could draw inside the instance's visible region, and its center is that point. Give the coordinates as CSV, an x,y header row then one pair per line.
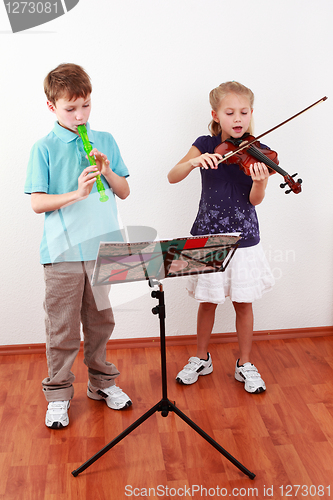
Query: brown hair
x,y
216,96
67,80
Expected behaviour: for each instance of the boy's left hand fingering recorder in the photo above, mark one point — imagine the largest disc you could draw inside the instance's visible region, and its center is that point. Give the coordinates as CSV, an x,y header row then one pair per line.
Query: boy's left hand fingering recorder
x,y
88,148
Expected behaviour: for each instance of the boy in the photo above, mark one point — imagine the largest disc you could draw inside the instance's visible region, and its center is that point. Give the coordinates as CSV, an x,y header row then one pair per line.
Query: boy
x,y
62,185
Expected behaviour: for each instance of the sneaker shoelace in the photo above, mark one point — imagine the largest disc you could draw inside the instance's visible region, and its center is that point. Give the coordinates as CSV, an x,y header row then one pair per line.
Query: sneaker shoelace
x,y
114,390
55,406
192,365
251,371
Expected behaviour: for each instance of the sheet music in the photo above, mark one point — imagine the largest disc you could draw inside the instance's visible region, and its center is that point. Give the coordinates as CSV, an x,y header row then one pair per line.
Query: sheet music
x,y
121,262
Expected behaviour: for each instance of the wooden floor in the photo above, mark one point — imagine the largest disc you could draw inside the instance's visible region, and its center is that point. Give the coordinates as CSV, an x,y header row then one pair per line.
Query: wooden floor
x,y
284,436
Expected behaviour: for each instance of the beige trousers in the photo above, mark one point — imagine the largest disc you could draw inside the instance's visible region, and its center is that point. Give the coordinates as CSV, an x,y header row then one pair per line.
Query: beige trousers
x,y
69,301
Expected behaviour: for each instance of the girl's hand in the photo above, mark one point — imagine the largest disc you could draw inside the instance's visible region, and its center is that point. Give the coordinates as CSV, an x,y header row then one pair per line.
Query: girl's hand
x,y
206,161
102,161
86,181
191,160
259,172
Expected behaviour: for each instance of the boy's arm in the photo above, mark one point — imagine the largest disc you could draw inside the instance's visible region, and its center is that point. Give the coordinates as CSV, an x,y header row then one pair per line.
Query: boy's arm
x,y
117,183
43,202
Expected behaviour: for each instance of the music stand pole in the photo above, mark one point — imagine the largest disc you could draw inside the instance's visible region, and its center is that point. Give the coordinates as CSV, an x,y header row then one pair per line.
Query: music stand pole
x,y
164,405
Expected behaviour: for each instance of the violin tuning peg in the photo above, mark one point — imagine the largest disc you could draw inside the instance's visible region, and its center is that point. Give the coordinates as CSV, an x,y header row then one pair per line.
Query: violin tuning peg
x,y
288,191
298,180
282,186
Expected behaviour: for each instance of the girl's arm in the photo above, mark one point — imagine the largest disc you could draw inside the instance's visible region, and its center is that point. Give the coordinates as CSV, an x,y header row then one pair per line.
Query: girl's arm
x,y
193,159
259,174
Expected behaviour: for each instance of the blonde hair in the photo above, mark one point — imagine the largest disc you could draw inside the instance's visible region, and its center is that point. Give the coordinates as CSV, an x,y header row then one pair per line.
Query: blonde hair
x,y
67,81
219,93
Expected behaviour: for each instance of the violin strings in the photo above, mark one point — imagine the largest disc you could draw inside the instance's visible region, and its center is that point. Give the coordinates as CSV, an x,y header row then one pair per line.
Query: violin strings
x,y
259,155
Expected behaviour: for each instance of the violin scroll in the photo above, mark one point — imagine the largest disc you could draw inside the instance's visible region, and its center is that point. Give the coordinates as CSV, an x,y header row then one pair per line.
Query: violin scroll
x,y
295,187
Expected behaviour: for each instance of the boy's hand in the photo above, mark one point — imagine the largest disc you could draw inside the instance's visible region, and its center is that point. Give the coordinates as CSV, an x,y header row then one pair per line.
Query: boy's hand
x,y
86,181
102,161
117,183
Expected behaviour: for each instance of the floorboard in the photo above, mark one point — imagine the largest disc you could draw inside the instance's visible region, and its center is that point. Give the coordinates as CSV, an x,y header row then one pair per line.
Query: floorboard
x,y
284,436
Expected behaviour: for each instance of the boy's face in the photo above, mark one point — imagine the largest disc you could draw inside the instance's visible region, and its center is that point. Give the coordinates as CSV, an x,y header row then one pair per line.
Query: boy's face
x,y
72,113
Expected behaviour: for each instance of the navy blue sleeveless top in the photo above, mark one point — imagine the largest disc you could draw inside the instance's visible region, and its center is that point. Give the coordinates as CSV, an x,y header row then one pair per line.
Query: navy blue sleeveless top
x,y
224,205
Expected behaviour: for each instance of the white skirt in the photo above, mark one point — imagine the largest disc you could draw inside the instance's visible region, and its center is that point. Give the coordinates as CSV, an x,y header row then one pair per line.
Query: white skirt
x,y
245,279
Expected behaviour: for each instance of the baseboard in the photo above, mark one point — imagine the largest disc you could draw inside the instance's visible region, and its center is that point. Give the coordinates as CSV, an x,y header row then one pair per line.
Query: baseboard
x,y
217,338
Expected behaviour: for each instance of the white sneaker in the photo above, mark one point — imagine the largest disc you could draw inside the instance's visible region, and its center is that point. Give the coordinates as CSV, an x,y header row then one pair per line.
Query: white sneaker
x,y
114,397
249,375
56,415
195,367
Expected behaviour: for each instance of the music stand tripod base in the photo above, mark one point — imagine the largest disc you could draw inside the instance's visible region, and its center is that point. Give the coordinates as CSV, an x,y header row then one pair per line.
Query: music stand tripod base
x,y
164,405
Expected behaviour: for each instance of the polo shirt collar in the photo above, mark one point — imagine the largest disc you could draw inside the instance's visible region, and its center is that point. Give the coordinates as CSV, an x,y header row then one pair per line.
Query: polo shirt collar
x,y
68,136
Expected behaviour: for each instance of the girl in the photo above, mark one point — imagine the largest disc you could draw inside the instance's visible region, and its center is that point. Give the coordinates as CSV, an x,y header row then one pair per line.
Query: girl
x,y
227,205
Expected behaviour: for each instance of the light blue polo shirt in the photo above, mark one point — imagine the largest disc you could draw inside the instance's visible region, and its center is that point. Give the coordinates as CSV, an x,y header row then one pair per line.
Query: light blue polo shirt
x,y
73,233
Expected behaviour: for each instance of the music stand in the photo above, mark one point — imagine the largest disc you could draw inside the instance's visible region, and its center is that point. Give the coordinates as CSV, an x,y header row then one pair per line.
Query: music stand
x,y
153,261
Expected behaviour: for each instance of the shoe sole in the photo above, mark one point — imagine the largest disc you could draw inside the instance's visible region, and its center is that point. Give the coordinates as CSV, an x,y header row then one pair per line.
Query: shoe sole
x,y
126,405
258,391
205,371
57,425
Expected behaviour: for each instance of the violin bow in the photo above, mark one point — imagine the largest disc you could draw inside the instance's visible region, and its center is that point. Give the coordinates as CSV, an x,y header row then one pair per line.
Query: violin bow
x,y
246,144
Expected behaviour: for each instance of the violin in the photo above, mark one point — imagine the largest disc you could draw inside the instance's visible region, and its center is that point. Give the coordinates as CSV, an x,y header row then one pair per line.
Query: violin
x,y
230,149
245,156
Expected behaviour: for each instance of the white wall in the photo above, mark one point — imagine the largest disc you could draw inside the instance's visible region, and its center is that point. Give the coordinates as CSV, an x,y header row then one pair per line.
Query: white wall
x,y
152,64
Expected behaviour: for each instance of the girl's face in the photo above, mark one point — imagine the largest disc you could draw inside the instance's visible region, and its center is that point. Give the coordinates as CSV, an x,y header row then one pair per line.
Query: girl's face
x,y
72,113
234,115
